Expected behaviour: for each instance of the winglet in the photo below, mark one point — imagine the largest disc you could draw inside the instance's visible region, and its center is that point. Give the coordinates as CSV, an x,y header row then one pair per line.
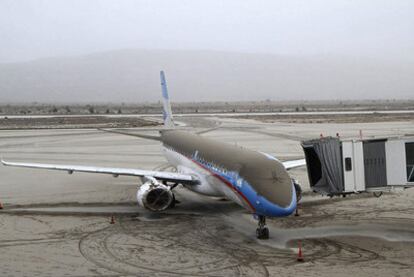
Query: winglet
x,y
167,113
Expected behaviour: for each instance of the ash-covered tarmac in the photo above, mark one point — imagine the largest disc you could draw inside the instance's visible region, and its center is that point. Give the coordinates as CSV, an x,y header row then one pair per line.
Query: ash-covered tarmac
x,y
55,224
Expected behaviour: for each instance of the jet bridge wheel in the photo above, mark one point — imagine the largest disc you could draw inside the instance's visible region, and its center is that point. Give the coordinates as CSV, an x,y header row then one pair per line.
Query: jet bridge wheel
x,y
377,194
262,232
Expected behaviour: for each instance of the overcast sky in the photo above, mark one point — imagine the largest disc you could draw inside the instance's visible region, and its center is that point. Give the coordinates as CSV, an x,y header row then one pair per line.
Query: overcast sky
x,y
370,28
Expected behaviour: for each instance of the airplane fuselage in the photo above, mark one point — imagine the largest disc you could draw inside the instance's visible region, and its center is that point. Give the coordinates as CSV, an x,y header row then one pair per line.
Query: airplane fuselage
x,y
254,180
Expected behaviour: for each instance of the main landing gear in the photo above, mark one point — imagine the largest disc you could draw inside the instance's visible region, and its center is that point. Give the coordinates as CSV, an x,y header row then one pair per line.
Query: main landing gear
x,y
262,232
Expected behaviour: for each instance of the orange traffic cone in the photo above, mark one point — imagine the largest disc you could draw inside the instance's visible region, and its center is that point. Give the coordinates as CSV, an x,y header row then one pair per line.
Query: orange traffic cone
x,y
112,220
300,255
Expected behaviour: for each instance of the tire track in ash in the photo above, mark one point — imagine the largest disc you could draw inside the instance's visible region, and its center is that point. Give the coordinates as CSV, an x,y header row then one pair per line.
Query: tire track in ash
x,y
190,242
331,252
171,246
93,248
225,258
245,259
24,242
221,255
117,249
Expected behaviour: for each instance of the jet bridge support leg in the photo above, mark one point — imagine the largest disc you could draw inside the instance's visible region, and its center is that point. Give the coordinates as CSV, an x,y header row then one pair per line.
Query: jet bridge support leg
x,y
262,232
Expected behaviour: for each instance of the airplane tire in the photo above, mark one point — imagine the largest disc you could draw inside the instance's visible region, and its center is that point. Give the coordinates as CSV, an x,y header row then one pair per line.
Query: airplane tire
x,y
262,233
265,233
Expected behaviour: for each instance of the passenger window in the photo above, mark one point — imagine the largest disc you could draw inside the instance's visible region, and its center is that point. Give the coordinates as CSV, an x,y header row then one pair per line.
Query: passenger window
x,y
348,164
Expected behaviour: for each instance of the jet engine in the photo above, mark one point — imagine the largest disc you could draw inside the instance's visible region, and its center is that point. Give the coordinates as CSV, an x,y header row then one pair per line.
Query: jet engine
x,y
154,196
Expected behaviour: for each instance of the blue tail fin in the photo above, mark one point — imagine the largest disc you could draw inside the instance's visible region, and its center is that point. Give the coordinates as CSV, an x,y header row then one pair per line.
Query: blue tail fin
x,y
167,114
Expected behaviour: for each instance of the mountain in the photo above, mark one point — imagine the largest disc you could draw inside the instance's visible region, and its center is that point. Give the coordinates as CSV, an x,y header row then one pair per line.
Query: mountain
x,y
133,76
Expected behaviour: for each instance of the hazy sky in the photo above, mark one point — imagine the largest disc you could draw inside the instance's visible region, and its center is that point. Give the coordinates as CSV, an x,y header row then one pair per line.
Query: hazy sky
x,y
370,28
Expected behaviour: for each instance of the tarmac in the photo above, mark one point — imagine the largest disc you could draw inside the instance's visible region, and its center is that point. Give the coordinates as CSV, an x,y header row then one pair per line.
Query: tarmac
x,y
55,224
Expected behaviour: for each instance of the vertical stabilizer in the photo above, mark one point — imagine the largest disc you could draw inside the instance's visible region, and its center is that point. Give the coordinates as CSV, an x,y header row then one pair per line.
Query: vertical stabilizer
x,y
167,114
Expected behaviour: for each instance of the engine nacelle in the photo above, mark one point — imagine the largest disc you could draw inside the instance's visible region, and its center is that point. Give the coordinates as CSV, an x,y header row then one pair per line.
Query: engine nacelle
x,y
154,196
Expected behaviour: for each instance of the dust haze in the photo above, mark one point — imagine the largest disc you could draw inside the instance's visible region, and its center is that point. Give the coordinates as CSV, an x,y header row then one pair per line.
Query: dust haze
x,y
107,51
133,76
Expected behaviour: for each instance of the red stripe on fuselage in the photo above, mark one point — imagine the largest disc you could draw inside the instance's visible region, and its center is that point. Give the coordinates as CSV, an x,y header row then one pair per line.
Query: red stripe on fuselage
x,y
227,183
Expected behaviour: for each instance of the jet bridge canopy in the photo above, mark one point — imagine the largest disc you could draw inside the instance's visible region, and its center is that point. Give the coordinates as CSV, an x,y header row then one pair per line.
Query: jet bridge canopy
x,y
324,164
338,166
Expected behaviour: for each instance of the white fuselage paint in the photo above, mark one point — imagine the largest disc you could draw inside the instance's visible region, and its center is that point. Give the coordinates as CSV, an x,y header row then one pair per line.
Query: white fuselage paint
x,y
209,184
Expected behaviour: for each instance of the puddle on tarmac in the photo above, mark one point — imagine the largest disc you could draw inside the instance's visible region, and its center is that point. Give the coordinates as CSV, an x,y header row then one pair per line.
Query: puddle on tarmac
x,y
280,237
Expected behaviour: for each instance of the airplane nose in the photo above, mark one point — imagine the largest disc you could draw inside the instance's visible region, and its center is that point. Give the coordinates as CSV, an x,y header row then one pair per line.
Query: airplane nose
x,y
269,208
273,193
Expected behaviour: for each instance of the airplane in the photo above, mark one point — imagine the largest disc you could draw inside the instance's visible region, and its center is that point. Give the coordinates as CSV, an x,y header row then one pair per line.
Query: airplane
x,y
256,181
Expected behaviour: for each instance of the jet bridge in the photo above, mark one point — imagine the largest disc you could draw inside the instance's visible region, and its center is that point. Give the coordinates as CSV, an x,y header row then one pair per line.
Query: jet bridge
x,y
337,167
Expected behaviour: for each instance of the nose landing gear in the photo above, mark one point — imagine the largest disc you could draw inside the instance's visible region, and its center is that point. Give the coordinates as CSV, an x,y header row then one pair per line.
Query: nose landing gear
x,y
298,190
262,232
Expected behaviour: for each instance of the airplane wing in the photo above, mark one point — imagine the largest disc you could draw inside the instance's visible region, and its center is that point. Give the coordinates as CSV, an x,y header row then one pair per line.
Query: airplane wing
x,y
294,163
131,134
208,130
160,175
